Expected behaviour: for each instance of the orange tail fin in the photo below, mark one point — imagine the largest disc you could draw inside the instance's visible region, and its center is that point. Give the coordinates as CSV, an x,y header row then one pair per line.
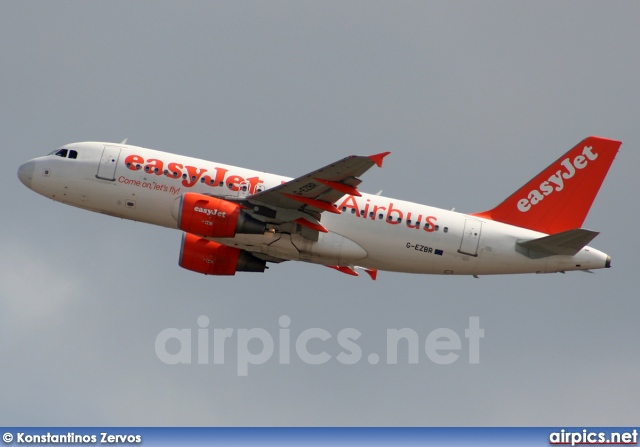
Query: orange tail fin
x,y
558,199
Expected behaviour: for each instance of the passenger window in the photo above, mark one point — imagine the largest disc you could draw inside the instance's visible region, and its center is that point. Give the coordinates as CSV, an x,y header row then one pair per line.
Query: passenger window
x,y
73,154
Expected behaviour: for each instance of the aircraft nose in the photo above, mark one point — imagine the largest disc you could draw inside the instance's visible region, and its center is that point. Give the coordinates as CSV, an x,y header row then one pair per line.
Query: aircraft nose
x,y
25,173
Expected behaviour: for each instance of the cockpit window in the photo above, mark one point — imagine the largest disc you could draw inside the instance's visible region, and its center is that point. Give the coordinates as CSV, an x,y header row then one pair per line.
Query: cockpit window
x,y
65,153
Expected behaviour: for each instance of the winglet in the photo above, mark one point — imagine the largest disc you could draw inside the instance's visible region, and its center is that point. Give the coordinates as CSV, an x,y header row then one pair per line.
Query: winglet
x,y
377,158
344,269
372,273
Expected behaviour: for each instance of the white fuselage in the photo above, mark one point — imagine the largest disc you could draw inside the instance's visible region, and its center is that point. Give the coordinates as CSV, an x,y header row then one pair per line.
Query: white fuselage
x,y
372,231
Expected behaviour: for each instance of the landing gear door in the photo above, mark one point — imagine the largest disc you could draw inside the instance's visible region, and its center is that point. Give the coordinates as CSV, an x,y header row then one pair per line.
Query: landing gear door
x,y
470,237
108,163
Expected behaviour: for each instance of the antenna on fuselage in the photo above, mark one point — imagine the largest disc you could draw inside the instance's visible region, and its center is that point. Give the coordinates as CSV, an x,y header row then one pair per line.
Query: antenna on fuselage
x,y
124,141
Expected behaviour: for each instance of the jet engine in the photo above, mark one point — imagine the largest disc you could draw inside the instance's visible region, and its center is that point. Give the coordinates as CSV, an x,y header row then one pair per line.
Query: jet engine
x,y
210,258
212,217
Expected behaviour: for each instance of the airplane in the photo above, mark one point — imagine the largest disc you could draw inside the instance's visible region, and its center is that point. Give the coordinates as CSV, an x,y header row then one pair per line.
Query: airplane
x,y
237,220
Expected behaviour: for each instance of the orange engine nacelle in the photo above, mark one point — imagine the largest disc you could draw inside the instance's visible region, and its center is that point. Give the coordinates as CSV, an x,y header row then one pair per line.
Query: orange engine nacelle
x,y
210,258
212,217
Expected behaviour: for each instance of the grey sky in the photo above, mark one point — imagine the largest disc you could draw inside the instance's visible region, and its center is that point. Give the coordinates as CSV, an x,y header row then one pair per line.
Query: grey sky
x,y
472,99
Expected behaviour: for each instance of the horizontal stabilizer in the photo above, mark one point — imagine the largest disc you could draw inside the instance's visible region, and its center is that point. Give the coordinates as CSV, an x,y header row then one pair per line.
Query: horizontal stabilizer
x,y
566,243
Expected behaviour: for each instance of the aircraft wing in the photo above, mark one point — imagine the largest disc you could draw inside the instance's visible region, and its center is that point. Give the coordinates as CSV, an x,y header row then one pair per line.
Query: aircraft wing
x,y
317,191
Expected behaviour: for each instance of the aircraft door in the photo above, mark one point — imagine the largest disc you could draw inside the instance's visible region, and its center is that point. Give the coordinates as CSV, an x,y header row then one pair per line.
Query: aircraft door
x,y
108,163
243,189
470,237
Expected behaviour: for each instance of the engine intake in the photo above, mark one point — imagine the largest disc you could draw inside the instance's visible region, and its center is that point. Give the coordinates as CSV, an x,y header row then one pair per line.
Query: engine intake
x,y
212,217
210,258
